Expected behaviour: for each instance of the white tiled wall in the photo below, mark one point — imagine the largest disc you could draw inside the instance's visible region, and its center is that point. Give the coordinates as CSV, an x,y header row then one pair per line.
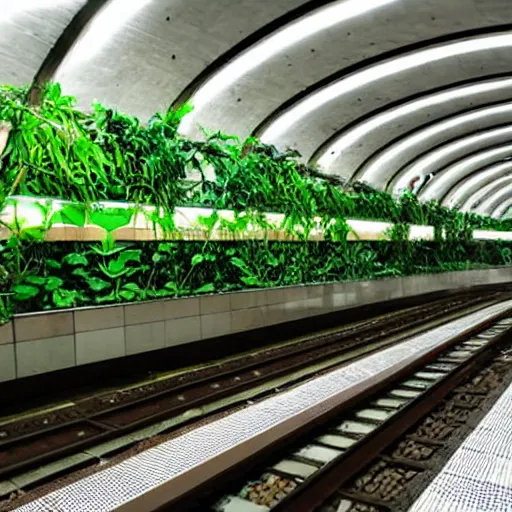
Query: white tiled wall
x,y
45,342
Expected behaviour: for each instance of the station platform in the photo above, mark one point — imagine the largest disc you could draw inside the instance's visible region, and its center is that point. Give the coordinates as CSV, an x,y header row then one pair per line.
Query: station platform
x,y
152,478
478,477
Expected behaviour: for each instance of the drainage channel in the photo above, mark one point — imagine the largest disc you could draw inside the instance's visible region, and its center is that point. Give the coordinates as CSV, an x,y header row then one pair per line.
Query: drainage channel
x,y
300,479
32,441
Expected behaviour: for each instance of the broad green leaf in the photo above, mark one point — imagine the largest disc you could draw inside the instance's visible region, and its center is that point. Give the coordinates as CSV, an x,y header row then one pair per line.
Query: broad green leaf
x,y
197,259
39,280
111,219
70,214
52,283
24,292
207,288
75,259
96,284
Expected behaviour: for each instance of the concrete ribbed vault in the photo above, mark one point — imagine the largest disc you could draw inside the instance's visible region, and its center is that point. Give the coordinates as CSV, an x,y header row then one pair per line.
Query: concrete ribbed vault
x,y
371,90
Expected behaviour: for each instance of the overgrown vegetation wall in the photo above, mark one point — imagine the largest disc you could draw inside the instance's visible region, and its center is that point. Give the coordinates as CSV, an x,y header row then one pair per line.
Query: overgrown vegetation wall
x,y
55,151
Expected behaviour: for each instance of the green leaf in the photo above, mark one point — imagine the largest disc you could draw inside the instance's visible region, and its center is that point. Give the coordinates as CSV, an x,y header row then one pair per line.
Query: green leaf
x,y
132,286
171,285
130,255
36,280
157,257
207,288
52,283
75,259
111,219
96,284
81,272
251,281
64,298
197,259
24,292
53,264
73,214
127,294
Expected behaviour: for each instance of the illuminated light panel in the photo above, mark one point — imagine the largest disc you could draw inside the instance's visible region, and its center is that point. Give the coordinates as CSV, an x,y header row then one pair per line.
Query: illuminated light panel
x,y
9,9
306,26
473,183
358,133
439,158
444,181
480,195
374,73
383,163
109,21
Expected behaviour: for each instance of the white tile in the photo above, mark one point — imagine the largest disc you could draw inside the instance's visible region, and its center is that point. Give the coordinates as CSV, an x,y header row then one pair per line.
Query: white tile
x,y
6,334
95,319
247,319
215,303
144,337
7,363
181,308
47,355
100,345
182,330
215,325
144,313
43,325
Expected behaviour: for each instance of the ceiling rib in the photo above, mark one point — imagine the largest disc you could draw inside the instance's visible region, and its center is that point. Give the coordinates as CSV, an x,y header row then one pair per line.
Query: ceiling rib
x,y
64,43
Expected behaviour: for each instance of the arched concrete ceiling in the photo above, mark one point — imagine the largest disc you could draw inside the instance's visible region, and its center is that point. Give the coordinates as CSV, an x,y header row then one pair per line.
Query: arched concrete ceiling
x,y
494,197
461,195
377,85
347,150
381,167
445,180
436,160
502,209
467,191
28,31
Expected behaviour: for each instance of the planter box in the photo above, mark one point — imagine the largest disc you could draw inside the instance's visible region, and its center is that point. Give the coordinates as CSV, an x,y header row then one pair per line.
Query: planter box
x,y
38,343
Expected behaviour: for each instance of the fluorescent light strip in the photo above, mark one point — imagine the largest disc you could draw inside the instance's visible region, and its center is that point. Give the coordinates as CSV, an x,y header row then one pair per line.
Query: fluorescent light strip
x,y
437,159
473,183
374,73
443,182
385,161
489,204
354,136
481,196
306,26
105,25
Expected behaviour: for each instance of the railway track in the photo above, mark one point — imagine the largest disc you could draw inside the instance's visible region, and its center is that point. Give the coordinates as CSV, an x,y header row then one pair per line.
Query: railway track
x,y
33,440
364,459
43,437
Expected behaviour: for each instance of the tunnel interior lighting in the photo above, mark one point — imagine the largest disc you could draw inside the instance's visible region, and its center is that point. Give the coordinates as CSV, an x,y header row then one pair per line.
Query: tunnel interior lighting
x,y
377,72
306,26
105,25
432,162
386,160
460,170
352,137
